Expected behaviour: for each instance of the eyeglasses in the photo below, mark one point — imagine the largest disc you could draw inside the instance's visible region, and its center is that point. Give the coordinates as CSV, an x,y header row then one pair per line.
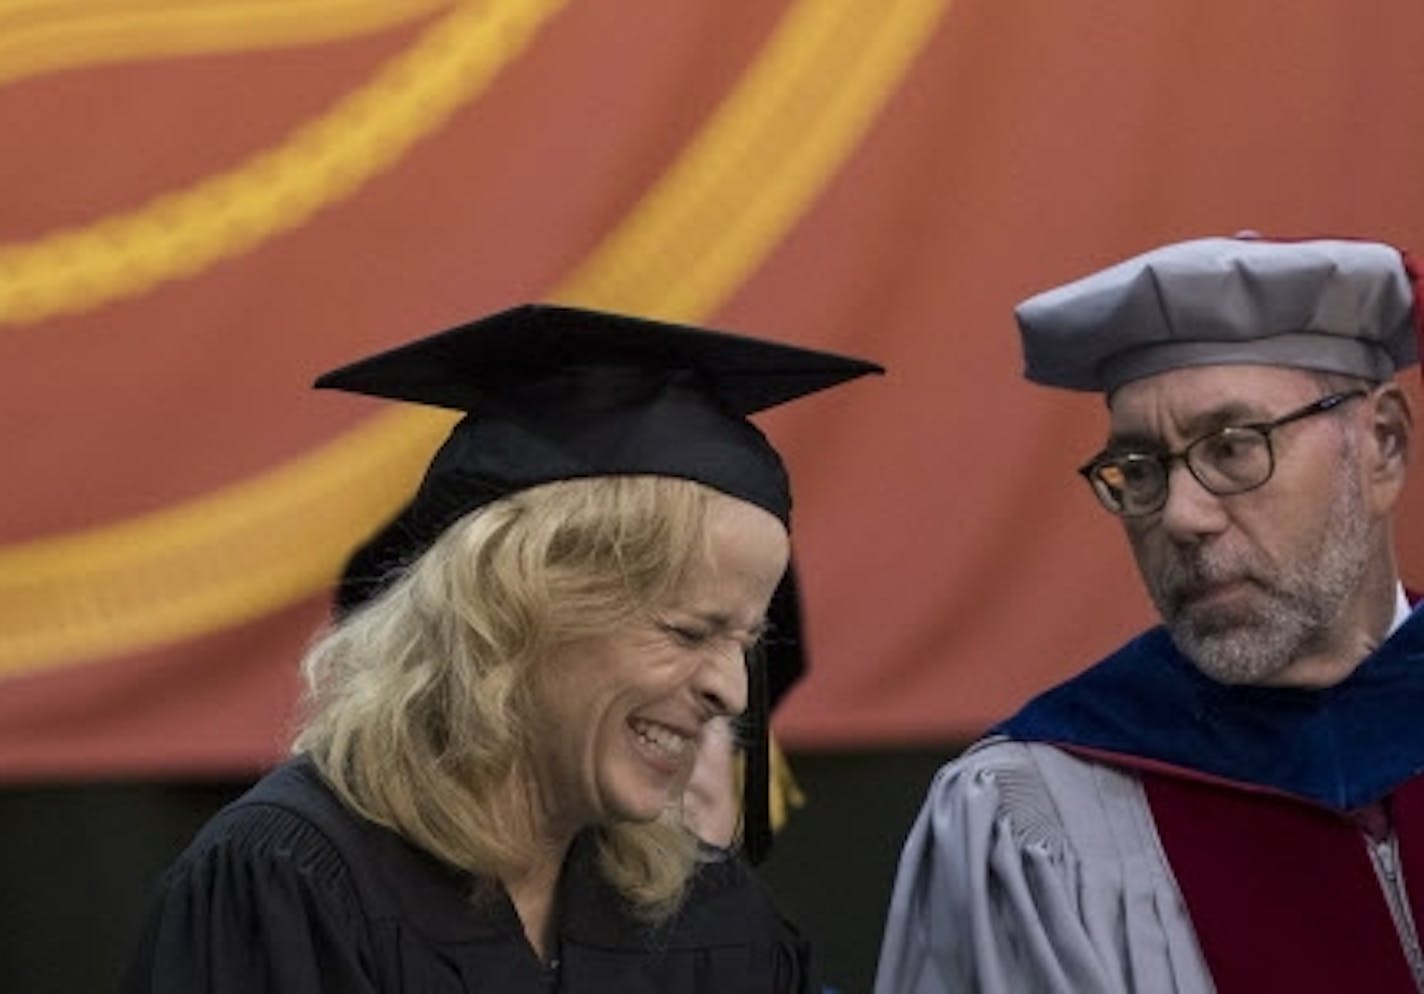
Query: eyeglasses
x,y
1227,461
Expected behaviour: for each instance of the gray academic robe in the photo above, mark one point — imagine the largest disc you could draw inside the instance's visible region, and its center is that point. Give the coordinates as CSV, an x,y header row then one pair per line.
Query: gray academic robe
x,y
1030,870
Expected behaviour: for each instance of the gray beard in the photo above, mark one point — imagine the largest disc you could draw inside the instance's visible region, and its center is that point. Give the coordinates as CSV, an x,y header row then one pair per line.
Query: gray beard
x,y
1248,644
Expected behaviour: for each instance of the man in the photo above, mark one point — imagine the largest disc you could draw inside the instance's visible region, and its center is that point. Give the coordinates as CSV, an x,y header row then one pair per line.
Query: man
x,y
1234,801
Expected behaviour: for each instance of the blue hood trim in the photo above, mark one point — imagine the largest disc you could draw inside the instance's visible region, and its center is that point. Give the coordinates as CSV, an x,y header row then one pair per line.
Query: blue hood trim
x,y
1342,747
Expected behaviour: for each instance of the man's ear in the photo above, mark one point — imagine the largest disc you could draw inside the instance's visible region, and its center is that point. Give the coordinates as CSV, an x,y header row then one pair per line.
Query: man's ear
x,y
1387,451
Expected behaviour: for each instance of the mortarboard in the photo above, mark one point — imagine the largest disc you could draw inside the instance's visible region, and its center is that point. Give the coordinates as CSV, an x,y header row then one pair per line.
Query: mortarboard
x,y
1333,305
555,393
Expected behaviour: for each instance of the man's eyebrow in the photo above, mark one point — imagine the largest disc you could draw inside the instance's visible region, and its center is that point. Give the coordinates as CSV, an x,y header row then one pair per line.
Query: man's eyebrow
x,y
1205,422
1236,412
1131,440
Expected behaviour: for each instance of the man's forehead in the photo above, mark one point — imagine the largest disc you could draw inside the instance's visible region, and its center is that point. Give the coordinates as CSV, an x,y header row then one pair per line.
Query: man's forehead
x,y
1194,393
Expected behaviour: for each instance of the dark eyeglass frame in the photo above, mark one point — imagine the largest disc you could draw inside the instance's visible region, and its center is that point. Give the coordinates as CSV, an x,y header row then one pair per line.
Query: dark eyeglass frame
x,y
1090,470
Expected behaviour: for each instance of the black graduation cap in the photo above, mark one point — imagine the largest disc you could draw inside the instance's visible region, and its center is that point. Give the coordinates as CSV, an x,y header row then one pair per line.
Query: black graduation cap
x,y
556,393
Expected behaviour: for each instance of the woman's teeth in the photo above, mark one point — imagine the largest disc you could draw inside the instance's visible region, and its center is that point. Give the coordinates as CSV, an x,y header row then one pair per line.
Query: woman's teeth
x,y
662,738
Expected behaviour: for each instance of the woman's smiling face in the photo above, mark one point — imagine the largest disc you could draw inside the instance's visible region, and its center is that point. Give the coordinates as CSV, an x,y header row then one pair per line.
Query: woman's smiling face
x,y
620,715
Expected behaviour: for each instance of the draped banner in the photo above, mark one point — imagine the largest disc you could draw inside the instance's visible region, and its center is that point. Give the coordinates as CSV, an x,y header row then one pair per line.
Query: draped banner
x,y
206,204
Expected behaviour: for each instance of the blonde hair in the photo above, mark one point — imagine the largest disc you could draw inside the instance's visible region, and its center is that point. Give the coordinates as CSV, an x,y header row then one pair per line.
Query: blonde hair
x,y
419,703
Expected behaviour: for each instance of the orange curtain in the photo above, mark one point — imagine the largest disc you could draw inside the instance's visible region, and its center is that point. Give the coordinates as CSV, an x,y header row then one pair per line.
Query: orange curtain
x,y
207,204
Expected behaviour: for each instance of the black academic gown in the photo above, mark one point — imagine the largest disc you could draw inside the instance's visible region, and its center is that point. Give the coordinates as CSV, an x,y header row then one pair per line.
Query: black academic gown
x,y
288,891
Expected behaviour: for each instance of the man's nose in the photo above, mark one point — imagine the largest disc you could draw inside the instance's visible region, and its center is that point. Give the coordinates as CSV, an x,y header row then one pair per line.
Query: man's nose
x,y
1191,511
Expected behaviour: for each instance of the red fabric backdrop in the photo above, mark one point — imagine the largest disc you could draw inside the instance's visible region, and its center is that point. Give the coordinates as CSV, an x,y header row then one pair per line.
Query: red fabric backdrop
x,y
885,179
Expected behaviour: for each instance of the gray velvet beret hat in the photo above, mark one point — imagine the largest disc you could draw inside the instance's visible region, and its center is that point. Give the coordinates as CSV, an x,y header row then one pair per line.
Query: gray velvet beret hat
x,y
1332,305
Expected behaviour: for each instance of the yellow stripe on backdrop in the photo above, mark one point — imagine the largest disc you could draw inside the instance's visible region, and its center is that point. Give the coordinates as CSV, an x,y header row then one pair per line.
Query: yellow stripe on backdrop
x,y
726,201
323,161
43,36
766,153
230,556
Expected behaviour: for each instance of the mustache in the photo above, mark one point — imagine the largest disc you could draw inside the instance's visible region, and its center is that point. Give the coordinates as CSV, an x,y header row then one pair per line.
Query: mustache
x,y
1191,575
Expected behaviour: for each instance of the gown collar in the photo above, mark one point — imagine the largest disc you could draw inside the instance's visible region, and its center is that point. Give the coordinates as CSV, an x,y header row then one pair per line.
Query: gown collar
x,y
1341,747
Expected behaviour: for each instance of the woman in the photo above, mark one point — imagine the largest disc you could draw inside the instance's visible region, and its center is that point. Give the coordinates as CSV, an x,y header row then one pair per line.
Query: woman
x,y
486,794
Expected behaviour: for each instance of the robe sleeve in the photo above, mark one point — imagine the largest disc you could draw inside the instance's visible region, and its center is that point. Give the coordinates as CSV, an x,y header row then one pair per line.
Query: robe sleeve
x,y
260,904
793,970
1028,870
